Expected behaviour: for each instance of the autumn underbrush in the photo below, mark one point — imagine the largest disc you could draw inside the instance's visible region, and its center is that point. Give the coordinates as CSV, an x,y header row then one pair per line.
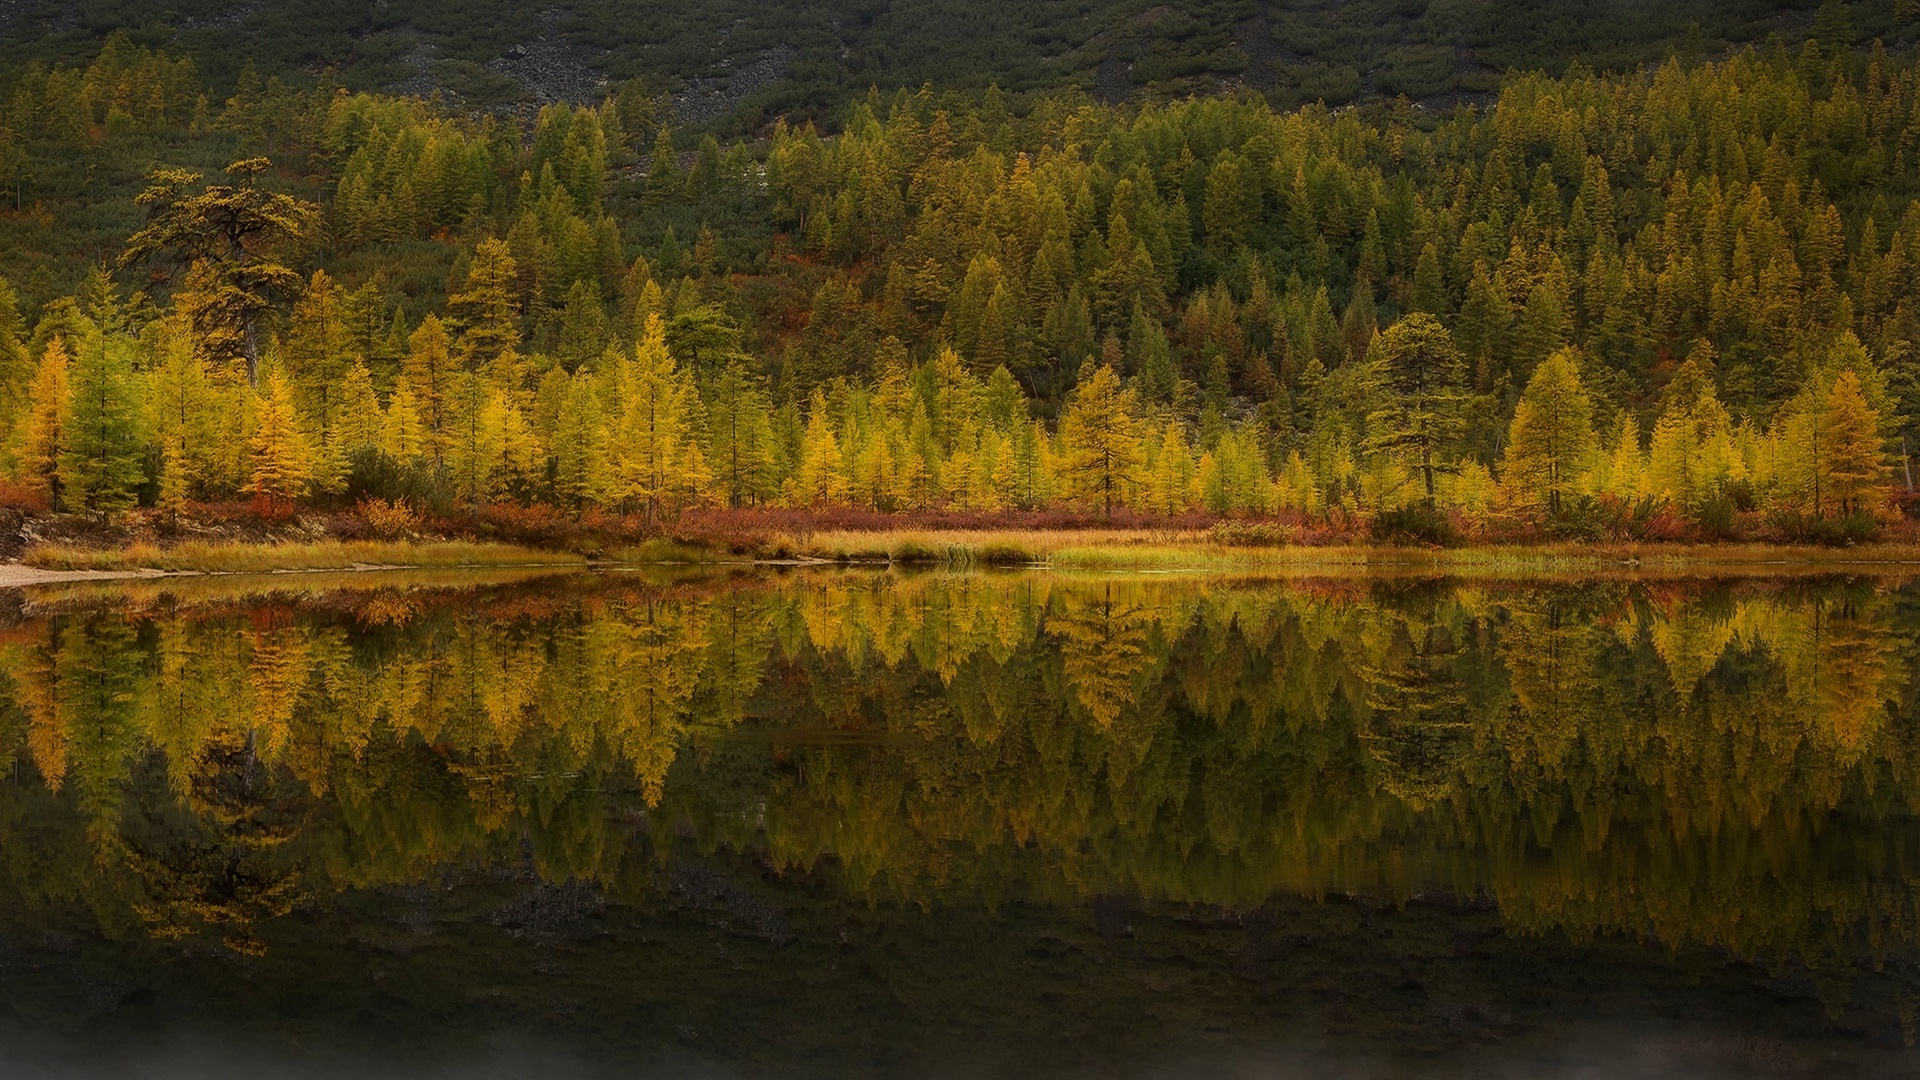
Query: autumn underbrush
x,y
1584,536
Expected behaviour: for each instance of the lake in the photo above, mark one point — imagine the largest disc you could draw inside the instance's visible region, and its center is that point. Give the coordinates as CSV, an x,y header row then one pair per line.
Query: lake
x,y
865,823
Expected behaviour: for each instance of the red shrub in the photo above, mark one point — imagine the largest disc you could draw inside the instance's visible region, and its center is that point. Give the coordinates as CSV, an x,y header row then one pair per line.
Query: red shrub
x,y
271,510
15,496
1667,527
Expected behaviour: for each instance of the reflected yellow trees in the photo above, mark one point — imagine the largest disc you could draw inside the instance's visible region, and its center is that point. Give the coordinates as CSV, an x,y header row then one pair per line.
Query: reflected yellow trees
x,y
1733,765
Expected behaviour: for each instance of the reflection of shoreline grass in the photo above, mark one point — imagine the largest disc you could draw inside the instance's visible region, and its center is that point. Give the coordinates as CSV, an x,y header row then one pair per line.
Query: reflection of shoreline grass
x,y
305,586
241,558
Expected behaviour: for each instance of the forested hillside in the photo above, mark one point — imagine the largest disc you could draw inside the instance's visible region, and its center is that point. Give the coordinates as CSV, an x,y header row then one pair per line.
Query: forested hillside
x,y
1678,298
739,63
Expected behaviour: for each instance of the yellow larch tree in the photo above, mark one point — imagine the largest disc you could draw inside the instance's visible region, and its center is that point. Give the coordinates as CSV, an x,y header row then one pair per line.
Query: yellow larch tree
x,y
1623,469
582,475
1692,456
42,439
180,406
647,451
427,373
280,455
475,441
523,459
1854,456
1170,473
821,479
1102,456
487,308
1550,444
361,418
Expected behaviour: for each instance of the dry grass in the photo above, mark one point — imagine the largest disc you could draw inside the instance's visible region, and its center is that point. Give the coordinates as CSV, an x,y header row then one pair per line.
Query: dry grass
x,y
244,558
1203,552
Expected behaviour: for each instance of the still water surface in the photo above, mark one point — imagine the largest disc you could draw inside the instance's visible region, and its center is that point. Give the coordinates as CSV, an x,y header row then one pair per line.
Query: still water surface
x,y
865,824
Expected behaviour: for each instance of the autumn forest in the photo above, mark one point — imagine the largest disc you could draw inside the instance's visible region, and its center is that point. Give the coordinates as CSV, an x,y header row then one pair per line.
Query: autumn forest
x,y
803,538
1669,303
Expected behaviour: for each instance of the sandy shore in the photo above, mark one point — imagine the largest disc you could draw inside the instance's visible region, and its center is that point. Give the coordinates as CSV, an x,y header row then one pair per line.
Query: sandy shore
x,y
15,575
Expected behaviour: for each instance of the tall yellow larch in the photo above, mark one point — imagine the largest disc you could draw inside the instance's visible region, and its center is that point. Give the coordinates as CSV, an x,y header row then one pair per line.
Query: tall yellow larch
x,y
175,476
1692,457
993,471
42,439
1171,474
957,475
582,474
1031,460
487,306
1625,465
361,418
1550,443
316,352
1855,457
181,406
648,448
1102,449
281,457
476,441
693,479
919,471
874,482
1296,489
328,464
427,374
402,435
1210,482
821,479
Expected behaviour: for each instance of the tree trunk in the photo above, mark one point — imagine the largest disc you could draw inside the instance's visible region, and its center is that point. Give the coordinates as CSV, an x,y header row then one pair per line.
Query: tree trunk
x,y
252,350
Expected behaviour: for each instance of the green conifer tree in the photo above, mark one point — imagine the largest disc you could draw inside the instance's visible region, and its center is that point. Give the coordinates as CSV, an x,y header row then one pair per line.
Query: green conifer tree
x,y
103,448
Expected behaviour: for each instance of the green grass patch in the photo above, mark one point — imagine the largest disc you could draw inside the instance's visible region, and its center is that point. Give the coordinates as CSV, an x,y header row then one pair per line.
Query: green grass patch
x,y
916,553
661,550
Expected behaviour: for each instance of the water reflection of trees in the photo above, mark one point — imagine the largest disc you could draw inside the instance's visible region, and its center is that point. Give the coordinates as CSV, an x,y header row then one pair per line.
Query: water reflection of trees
x,y
1708,764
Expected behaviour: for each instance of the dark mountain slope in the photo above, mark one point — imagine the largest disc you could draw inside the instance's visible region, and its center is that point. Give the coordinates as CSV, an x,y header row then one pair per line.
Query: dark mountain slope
x,y
736,62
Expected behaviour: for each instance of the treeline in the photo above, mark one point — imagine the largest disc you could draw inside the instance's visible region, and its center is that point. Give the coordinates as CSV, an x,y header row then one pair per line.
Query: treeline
x,y
1728,768
1604,301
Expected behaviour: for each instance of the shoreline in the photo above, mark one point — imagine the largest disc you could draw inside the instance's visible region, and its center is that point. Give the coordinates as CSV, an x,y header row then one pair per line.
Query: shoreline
x,y
20,576
923,550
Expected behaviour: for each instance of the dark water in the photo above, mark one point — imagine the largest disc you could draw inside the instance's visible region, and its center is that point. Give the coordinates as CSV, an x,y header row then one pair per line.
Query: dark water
x,y
1022,825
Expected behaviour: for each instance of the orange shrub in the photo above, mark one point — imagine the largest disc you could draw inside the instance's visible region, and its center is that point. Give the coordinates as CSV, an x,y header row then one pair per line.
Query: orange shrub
x,y
387,520
16,496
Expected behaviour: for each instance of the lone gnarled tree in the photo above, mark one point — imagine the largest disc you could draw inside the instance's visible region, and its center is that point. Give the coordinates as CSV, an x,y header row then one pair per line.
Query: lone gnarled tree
x,y
231,237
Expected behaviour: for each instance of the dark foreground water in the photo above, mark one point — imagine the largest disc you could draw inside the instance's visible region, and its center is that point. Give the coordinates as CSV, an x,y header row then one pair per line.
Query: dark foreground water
x,y
939,826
